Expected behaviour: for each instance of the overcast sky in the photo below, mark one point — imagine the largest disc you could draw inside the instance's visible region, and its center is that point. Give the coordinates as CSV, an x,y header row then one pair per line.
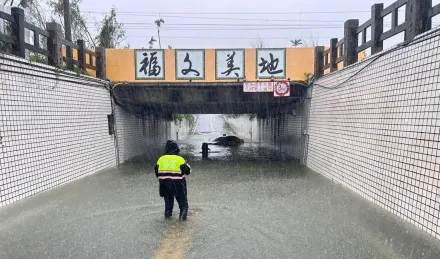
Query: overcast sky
x,y
233,23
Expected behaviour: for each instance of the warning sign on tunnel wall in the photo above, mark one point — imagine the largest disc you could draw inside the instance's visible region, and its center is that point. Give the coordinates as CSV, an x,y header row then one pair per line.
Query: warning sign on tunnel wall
x,y
281,88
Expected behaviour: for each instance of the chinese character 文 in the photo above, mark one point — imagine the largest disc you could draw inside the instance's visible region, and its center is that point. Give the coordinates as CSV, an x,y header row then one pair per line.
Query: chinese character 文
x,y
231,67
150,67
270,66
189,69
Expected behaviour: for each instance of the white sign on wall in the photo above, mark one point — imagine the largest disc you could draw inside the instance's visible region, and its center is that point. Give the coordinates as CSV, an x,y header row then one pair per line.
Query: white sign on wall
x,y
256,87
271,63
150,64
229,64
190,64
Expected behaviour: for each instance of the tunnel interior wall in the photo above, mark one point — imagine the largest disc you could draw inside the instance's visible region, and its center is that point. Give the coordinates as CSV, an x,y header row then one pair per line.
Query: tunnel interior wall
x,y
283,132
53,128
139,135
377,132
243,127
180,130
144,135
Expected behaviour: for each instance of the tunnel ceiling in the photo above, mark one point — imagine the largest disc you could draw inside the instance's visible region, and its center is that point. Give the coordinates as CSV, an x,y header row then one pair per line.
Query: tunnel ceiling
x,y
203,98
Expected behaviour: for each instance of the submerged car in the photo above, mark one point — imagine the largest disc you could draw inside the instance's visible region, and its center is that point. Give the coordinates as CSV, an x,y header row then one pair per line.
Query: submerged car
x,y
227,141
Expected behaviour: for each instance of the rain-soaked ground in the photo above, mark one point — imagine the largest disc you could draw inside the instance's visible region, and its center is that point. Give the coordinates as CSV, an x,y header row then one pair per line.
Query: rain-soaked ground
x,y
240,207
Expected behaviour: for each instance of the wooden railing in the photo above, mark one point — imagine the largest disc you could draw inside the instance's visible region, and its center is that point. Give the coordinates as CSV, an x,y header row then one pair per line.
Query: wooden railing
x,y
86,59
417,20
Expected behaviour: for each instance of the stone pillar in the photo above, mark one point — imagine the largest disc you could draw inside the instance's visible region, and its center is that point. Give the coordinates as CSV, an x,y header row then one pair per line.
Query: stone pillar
x,y
19,48
376,28
100,63
350,42
54,44
319,61
333,54
81,55
417,18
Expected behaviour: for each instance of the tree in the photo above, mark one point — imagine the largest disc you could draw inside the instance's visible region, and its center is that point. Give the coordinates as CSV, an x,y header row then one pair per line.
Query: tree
x,y
111,32
151,42
79,27
169,46
296,43
158,22
258,43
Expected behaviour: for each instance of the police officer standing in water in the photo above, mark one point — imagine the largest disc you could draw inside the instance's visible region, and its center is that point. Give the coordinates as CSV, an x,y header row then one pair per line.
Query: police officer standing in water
x,y
171,170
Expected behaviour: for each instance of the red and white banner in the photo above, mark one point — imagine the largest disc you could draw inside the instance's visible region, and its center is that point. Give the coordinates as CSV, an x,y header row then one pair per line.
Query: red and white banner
x,y
256,87
281,88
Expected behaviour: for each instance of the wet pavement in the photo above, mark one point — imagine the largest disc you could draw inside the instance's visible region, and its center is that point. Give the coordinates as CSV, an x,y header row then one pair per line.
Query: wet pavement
x,y
240,207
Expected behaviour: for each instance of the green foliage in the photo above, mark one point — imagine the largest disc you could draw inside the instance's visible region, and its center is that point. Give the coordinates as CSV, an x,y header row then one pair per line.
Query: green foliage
x,y
78,21
111,32
190,118
236,116
296,43
35,57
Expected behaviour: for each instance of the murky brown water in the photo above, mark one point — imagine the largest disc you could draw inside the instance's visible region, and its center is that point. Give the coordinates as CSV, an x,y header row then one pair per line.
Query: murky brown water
x,y
246,202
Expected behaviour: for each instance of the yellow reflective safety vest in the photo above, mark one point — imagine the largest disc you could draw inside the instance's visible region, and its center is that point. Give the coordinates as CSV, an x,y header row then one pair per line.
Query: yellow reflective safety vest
x,y
169,167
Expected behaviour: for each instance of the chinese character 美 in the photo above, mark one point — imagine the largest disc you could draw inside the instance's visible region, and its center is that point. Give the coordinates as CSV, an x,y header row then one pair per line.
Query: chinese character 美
x,y
150,67
231,67
270,66
188,70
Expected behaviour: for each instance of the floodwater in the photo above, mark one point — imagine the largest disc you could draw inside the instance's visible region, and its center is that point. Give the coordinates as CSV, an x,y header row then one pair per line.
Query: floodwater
x,y
240,207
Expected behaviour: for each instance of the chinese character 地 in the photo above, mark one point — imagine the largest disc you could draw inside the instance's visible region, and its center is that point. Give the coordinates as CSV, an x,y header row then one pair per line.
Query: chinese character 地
x,y
270,66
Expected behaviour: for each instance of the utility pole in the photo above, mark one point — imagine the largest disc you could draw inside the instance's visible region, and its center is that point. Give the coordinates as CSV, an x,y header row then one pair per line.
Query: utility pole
x,y
67,22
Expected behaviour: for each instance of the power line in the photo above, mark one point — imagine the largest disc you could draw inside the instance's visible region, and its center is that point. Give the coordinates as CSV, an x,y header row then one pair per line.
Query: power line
x,y
235,29
200,17
233,13
226,38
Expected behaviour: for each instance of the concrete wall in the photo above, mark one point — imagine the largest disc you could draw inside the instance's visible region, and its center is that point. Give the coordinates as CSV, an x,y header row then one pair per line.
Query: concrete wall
x,y
53,128
284,133
144,135
378,132
120,65
243,127
179,130
139,136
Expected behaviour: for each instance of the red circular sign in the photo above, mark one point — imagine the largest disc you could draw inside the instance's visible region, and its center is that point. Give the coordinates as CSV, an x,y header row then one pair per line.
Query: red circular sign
x,y
282,88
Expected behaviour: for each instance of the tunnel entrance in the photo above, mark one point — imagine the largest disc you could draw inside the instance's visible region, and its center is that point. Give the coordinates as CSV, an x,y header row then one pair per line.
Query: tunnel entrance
x,y
271,127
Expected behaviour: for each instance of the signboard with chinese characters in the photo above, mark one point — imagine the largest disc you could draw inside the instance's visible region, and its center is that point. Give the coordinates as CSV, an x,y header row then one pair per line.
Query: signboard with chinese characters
x,y
256,87
271,63
229,64
190,64
150,64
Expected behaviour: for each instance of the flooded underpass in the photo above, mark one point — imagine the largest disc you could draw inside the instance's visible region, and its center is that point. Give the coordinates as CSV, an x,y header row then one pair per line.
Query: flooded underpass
x,y
248,201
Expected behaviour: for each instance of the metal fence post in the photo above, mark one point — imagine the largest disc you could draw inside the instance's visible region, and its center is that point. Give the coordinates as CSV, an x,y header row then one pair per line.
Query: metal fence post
x,y
417,18
333,54
100,63
54,44
350,42
376,28
81,54
319,61
19,49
